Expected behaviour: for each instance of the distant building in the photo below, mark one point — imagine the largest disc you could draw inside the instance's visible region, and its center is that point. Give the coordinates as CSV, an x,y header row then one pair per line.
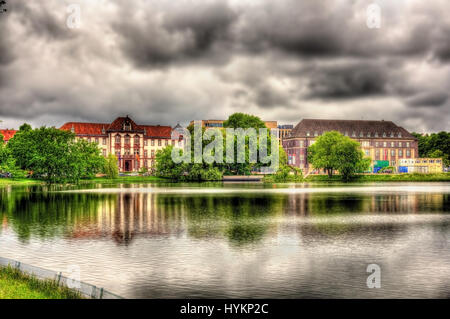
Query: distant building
x,y
135,145
382,141
284,130
219,123
7,134
421,165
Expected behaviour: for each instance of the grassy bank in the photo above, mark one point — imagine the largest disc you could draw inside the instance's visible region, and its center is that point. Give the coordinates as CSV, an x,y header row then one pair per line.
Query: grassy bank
x,y
19,181
415,177
16,285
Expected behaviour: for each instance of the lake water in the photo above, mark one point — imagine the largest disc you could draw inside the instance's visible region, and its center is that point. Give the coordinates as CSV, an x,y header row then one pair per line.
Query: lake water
x,y
237,240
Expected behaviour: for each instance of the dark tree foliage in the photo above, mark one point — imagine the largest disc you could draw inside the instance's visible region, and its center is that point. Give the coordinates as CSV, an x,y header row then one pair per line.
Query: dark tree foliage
x,y
434,145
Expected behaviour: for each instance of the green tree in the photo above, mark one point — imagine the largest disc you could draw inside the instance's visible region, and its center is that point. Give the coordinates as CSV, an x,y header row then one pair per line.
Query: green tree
x,y
430,144
166,167
334,151
54,155
242,120
323,153
111,169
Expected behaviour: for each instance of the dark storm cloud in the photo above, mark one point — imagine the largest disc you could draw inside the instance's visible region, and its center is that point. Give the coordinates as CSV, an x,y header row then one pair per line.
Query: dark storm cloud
x,y
186,33
429,99
167,61
348,81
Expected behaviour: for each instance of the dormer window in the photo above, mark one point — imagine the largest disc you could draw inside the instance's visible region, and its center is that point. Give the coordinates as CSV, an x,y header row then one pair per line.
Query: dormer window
x,y
376,134
399,134
103,130
307,133
127,126
346,133
384,134
315,133
392,134
118,139
361,134
368,134
353,134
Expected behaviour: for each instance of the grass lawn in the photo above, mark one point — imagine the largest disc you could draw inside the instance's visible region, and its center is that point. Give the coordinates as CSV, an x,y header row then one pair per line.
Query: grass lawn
x,y
16,285
19,181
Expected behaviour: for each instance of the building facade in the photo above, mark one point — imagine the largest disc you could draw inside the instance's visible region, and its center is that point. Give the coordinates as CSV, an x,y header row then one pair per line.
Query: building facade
x,y
219,123
284,130
421,165
380,140
134,145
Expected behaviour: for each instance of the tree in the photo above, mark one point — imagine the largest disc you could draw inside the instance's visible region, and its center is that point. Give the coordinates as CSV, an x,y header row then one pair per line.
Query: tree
x,y
111,168
429,144
323,153
334,151
242,120
54,155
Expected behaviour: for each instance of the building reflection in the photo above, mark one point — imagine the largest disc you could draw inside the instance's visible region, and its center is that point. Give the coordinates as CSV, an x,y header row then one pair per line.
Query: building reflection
x,y
241,218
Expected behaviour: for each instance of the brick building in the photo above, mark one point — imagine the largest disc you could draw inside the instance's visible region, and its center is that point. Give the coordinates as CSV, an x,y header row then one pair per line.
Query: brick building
x,y
380,140
134,145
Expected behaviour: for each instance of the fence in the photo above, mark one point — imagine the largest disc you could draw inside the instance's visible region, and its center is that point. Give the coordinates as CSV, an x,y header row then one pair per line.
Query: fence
x,y
86,290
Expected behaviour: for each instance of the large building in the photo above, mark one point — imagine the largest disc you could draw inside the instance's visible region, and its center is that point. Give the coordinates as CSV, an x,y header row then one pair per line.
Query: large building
x,y
380,140
134,145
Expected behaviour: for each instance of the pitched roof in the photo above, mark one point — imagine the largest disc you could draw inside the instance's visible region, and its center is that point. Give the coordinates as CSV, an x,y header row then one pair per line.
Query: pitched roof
x,y
8,134
312,126
117,126
85,128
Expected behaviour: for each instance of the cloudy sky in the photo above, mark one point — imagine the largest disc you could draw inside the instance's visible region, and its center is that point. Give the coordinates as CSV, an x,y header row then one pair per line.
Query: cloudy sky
x,y
164,62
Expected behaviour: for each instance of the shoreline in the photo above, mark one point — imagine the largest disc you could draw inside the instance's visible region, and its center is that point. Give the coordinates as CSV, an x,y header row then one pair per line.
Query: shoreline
x,y
415,177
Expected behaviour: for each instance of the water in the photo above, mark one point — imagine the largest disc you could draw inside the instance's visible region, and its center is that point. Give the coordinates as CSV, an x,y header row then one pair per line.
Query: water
x,y
236,240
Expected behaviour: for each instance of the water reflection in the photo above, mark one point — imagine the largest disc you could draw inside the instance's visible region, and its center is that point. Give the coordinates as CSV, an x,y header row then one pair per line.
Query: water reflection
x,y
241,219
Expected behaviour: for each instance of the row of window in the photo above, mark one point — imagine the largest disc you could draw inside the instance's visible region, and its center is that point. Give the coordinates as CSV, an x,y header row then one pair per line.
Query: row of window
x,y
363,144
361,134
127,141
392,152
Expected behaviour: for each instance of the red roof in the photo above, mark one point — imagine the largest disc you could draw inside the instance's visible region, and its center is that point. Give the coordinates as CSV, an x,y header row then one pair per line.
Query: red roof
x,y
7,134
117,126
85,128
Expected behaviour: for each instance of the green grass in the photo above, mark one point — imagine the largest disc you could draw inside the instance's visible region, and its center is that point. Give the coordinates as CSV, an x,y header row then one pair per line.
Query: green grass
x,y
17,285
19,181
414,177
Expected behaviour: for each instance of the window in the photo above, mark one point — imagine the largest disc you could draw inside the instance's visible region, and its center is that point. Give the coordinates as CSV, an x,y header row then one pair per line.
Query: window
x,y
377,154
307,133
118,139
407,144
353,134
153,142
127,139
96,140
166,142
136,139
159,142
315,133
145,153
104,152
153,153
400,152
399,144
399,134
145,142
392,152
367,152
384,144
89,139
301,143
376,144
361,134
392,144
127,126
392,134
408,153
346,133
104,141
365,143
368,134
376,134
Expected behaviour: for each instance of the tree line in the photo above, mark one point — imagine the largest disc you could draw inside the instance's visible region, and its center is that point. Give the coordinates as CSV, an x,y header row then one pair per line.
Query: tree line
x,y
53,155
435,145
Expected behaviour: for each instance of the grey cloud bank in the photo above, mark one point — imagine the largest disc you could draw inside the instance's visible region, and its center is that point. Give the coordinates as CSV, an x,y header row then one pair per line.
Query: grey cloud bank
x,y
167,62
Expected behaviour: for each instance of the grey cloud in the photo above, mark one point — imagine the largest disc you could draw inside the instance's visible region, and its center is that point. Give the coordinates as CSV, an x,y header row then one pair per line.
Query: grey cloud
x,y
433,99
347,81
